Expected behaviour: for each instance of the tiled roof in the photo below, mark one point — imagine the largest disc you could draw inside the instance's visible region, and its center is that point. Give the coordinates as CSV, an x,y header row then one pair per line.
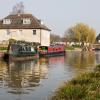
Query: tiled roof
x,y
17,22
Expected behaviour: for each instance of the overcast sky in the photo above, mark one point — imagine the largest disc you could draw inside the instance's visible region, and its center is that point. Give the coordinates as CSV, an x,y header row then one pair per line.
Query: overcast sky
x,y
59,15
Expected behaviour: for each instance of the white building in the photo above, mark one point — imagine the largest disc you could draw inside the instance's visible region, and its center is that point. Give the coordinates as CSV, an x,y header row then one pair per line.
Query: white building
x,y
24,27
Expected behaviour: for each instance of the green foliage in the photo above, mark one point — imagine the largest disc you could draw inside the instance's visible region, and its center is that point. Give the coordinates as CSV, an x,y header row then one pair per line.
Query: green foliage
x,y
84,87
97,68
3,48
71,92
12,40
81,33
76,46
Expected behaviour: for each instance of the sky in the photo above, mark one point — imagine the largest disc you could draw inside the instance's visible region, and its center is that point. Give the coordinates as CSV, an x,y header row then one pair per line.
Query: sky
x,y
59,15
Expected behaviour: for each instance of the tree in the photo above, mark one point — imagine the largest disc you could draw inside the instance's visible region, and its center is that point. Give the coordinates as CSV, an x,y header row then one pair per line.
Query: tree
x,y
54,38
92,36
18,8
69,35
81,33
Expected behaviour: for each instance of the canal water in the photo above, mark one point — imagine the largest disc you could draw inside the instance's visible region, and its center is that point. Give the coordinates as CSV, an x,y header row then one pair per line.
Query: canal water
x,y
38,79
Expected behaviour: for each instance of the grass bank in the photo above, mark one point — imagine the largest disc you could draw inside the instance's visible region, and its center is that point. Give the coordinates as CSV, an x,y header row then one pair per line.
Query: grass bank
x,y
71,48
3,49
84,87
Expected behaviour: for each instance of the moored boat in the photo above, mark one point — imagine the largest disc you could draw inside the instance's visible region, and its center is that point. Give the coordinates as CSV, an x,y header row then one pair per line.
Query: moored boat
x,y
53,50
19,52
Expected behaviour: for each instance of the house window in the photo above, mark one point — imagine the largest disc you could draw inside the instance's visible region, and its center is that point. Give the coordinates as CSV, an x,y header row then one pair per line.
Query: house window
x,y
26,21
6,21
34,32
8,32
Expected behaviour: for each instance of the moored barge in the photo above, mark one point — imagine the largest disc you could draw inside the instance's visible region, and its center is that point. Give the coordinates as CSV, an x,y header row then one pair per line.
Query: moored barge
x,y
53,50
20,52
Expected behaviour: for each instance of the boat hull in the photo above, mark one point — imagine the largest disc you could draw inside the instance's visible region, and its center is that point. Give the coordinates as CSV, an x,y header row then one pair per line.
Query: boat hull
x,y
20,58
50,54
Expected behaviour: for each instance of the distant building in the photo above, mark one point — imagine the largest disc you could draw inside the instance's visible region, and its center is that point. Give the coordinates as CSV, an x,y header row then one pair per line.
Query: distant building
x,y
98,38
24,27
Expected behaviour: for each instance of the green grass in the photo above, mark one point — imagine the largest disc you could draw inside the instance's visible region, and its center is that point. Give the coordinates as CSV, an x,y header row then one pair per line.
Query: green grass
x,y
84,87
3,48
73,47
70,48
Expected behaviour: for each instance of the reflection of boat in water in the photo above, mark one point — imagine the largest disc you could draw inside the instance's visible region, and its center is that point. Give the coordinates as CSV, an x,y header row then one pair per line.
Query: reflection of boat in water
x,y
51,60
22,77
54,50
18,52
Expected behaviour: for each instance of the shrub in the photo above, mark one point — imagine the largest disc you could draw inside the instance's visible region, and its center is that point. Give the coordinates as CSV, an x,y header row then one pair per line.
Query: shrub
x,y
97,68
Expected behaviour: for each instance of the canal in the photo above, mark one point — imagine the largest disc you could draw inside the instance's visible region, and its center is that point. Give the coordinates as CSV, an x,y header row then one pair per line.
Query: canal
x,y
38,79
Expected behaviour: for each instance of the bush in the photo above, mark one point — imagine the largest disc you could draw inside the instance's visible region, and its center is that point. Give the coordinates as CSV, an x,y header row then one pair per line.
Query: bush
x,y
97,68
3,48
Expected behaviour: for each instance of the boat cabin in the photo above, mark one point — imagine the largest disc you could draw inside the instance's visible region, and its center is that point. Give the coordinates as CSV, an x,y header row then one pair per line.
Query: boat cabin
x,y
21,49
51,50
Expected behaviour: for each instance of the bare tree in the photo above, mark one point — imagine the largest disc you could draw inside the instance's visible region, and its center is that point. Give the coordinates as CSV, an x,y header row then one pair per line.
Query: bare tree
x,y
18,8
69,35
54,38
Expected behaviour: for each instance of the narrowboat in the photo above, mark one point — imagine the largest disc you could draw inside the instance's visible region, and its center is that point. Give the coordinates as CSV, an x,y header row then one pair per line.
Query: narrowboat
x,y
19,52
53,50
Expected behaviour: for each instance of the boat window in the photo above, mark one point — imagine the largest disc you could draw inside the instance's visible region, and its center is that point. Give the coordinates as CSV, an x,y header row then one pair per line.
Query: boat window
x,y
20,49
26,48
32,49
29,48
23,48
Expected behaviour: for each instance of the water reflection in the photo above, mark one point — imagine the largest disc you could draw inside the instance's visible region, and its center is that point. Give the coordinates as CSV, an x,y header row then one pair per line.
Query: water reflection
x,y
18,78
97,55
80,59
54,60
24,76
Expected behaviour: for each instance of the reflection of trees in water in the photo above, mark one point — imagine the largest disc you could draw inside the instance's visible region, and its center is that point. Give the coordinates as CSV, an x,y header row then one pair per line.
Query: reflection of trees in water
x,y
80,59
3,73
97,57
21,77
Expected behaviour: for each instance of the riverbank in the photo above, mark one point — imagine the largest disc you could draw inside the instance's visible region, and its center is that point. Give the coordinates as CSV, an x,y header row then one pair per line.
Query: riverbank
x,y
84,87
75,49
2,53
3,50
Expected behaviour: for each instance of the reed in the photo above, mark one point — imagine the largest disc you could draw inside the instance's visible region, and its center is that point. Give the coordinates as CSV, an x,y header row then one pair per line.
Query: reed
x,y
84,87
